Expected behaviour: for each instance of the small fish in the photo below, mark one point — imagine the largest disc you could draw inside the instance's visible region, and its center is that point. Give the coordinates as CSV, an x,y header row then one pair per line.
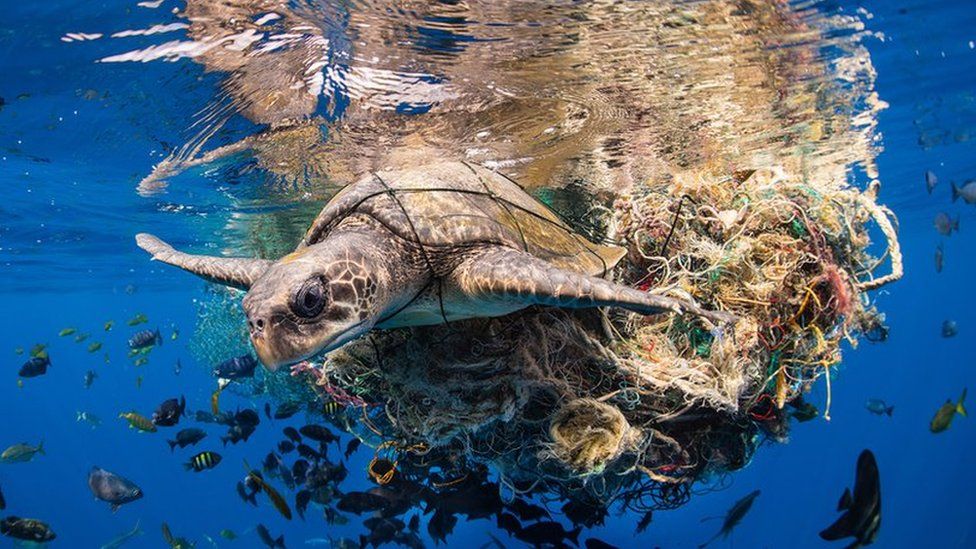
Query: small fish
x,y
19,351
21,453
139,381
362,502
89,379
137,320
508,523
80,337
351,447
3,502
331,408
930,181
203,461
287,410
945,225
175,334
187,437
248,495
215,402
292,434
145,339
308,452
644,522
108,325
878,407
94,346
268,540
87,417
318,433
949,328
862,511
36,366
803,411
301,502
29,530
67,331
939,258
967,192
548,533
141,361
286,446
734,516
528,512
112,488
169,412
947,412
228,534
124,537
137,421
39,350
279,502
240,367
173,541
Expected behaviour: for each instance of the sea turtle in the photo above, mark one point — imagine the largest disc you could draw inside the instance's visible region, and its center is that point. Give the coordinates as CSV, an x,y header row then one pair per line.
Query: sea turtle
x,y
414,247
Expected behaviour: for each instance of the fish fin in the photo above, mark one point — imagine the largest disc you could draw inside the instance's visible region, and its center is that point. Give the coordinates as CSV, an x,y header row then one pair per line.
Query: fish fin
x,y
574,534
955,190
960,408
841,528
280,542
115,507
890,410
172,445
845,500
40,447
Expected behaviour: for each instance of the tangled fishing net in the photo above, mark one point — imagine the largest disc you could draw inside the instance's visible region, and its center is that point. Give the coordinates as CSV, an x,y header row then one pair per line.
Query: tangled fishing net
x,y
589,404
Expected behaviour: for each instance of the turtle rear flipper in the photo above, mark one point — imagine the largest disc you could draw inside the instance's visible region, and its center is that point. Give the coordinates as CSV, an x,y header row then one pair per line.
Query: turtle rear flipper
x,y
510,275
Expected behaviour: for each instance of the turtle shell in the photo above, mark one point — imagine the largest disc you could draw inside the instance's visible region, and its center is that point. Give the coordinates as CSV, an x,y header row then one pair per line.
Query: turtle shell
x,y
455,204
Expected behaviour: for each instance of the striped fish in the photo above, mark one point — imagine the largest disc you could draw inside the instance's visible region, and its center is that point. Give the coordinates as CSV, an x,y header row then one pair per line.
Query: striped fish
x,y
331,408
203,461
137,421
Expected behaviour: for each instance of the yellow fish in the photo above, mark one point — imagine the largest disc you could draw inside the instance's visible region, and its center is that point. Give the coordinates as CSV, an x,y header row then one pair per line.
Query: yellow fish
x,y
137,320
109,324
215,402
137,421
67,332
94,347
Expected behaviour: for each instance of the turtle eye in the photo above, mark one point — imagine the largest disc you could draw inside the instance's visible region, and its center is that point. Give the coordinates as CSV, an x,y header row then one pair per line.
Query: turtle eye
x,y
310,299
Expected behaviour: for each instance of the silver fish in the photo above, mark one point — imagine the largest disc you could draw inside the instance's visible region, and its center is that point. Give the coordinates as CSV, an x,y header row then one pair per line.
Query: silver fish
x,y
967,192
945,224
930,181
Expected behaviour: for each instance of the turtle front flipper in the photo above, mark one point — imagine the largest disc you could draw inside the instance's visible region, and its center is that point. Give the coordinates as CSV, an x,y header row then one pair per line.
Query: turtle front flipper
x,y
508,275
230,271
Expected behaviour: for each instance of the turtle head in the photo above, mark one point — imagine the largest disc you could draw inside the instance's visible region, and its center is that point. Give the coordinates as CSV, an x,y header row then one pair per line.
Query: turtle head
x,y
311,301
314,300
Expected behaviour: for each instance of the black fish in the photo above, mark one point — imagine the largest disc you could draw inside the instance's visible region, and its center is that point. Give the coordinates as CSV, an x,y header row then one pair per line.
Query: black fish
x,y
526,511
3,502
318,433
381,530
237,433
441,525
247,417
112,488
169,412
236,368
734,516
286,446
585,513
187,437
287,410
268,540
308,453
36,366
246,495
508,523
203,461
361,502
26,529
292,435
548,533
351,448
299,470
90,376
594,543
862,511
414,523
271,462
145,339
301,502
645,521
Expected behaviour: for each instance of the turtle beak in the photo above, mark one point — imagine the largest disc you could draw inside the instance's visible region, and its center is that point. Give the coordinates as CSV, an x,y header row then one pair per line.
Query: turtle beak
x,y
265,353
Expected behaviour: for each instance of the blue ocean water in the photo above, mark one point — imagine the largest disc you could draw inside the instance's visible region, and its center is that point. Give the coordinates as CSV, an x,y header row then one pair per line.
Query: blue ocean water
x,y
77,136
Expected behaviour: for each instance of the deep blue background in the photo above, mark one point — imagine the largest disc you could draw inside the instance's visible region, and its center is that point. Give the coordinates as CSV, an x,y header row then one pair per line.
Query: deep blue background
x,y
67,214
